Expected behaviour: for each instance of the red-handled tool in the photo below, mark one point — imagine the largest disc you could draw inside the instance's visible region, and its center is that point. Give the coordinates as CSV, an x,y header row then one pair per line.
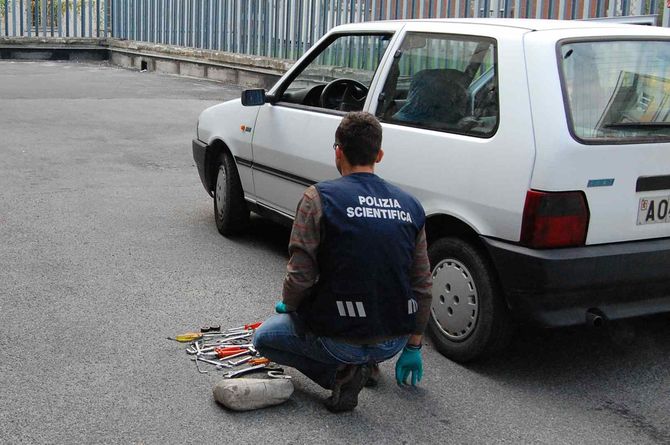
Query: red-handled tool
x,y
247,327
229,352
253,326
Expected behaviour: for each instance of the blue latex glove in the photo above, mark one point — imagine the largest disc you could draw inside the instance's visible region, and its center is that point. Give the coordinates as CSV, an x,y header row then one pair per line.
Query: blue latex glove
x,y
409,363
280,308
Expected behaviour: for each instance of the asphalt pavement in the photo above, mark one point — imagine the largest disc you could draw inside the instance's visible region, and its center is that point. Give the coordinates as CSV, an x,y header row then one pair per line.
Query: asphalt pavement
x,y
108,246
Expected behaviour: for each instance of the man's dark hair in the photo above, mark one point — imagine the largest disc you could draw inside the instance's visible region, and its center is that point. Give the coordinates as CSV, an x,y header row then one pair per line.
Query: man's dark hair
x,y
360,137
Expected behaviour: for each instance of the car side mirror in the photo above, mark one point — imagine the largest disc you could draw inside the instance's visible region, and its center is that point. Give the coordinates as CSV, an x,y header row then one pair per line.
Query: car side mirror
x,y
255,97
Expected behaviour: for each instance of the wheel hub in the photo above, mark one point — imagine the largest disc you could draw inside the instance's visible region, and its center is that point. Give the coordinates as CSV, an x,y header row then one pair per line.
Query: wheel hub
x,y
455,300
220,192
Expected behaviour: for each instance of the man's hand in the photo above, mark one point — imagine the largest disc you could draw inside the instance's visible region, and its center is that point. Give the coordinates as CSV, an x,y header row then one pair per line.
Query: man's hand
x,y
281,308
409,363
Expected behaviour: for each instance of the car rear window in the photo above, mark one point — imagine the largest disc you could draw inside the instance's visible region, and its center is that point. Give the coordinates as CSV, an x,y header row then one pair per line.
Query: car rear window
x,y
617,91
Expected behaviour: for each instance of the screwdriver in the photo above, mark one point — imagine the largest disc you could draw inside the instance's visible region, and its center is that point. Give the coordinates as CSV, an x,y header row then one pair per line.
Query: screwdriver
x,y
187,337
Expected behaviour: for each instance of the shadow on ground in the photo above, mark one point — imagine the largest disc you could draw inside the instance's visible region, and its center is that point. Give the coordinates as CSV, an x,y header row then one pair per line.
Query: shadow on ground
x,y
619,370
642,341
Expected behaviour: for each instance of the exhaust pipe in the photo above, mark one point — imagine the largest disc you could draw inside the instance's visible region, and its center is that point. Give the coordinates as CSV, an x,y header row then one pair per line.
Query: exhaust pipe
x,y
595,318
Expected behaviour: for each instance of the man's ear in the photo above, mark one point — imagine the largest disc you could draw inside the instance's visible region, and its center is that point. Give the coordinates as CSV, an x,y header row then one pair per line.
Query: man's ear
x,y
339,153
380,155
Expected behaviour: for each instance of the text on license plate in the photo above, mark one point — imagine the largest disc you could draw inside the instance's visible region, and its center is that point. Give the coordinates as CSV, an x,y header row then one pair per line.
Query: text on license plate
x,y
653,210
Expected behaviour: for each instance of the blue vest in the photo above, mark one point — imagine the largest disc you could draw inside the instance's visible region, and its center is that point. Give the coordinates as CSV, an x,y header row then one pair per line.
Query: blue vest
x,y
368,238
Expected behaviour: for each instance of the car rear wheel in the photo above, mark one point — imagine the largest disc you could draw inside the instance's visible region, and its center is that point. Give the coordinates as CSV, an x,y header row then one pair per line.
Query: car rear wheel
x,y
230,209
469,318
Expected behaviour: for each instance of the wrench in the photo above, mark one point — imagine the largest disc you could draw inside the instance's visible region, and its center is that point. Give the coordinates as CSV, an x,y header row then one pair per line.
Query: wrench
x,y
240,361
225,341
198,367
278,375
218,364
237,337
233,374
228,335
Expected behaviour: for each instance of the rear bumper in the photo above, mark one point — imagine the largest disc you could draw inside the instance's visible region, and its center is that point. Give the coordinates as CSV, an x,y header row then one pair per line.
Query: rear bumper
x,y
201,153
556,287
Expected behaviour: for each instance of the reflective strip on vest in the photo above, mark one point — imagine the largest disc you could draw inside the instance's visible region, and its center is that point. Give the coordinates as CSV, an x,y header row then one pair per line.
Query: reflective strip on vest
x,y
346,309
412,306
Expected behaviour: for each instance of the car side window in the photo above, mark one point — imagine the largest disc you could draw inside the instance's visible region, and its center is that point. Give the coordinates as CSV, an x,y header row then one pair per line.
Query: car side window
x,y
443,82
339,76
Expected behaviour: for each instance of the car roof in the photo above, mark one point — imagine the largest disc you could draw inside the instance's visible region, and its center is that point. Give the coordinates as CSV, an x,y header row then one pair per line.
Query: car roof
x,y
522,24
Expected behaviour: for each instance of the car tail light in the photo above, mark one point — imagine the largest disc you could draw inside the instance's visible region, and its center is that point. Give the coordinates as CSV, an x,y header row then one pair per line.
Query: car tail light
x,y
554,219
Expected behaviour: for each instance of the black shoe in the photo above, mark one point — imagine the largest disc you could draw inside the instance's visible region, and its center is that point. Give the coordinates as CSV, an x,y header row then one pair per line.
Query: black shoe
x,y
348,384
375,376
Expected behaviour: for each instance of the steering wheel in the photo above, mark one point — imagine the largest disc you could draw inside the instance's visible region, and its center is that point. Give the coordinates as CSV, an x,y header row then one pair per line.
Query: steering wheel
x,y
343,94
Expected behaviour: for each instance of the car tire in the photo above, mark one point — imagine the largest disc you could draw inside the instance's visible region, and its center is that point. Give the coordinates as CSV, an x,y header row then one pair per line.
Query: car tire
x,y
469,318
230,209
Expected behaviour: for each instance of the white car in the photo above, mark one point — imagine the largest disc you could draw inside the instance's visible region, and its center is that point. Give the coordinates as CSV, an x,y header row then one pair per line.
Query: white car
x,y
540,151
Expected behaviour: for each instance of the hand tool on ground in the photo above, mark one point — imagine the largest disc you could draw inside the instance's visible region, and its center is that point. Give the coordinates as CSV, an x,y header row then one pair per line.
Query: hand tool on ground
x,y
259,361
189,337
235,354
233,374
228,338
233,345
234,341
242,342
240,361
216,363
198,349
223,353
246,327
225,335
197,366
228,351
278,375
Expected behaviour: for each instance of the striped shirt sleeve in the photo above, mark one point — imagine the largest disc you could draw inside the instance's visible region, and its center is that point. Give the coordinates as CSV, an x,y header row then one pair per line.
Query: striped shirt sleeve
x,y
422,282
302,270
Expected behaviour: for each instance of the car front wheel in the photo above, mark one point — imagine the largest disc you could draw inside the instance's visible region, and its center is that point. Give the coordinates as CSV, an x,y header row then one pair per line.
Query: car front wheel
x,y
469,317
230,209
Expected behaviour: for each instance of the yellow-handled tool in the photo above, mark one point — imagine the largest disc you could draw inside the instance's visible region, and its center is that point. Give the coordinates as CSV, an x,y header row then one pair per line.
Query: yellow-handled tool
x,y
188,337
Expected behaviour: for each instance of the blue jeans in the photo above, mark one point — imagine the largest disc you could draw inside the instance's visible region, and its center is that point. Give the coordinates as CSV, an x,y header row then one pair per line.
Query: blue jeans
x,y
282,340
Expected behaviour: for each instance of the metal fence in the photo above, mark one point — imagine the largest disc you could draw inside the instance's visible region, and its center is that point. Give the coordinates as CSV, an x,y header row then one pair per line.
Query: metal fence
x,y
55,18
274,28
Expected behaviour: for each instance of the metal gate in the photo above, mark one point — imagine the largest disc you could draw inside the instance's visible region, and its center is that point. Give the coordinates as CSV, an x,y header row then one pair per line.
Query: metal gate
x,y
274,28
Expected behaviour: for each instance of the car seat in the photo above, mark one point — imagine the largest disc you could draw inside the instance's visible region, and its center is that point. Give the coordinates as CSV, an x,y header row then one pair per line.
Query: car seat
x,y
436,97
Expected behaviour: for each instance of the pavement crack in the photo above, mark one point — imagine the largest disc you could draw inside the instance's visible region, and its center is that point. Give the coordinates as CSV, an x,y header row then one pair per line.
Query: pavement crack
x,y
639,422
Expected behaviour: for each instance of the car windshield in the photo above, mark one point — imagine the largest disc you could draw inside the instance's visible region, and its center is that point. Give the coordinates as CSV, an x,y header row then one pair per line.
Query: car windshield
x,y
617,91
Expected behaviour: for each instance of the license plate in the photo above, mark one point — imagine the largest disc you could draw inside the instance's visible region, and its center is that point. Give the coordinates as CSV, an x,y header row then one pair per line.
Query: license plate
x,y
653,210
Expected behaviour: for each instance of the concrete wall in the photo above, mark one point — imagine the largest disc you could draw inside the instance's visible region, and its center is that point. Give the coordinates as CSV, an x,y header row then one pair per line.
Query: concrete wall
x,y
243,70
22,48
